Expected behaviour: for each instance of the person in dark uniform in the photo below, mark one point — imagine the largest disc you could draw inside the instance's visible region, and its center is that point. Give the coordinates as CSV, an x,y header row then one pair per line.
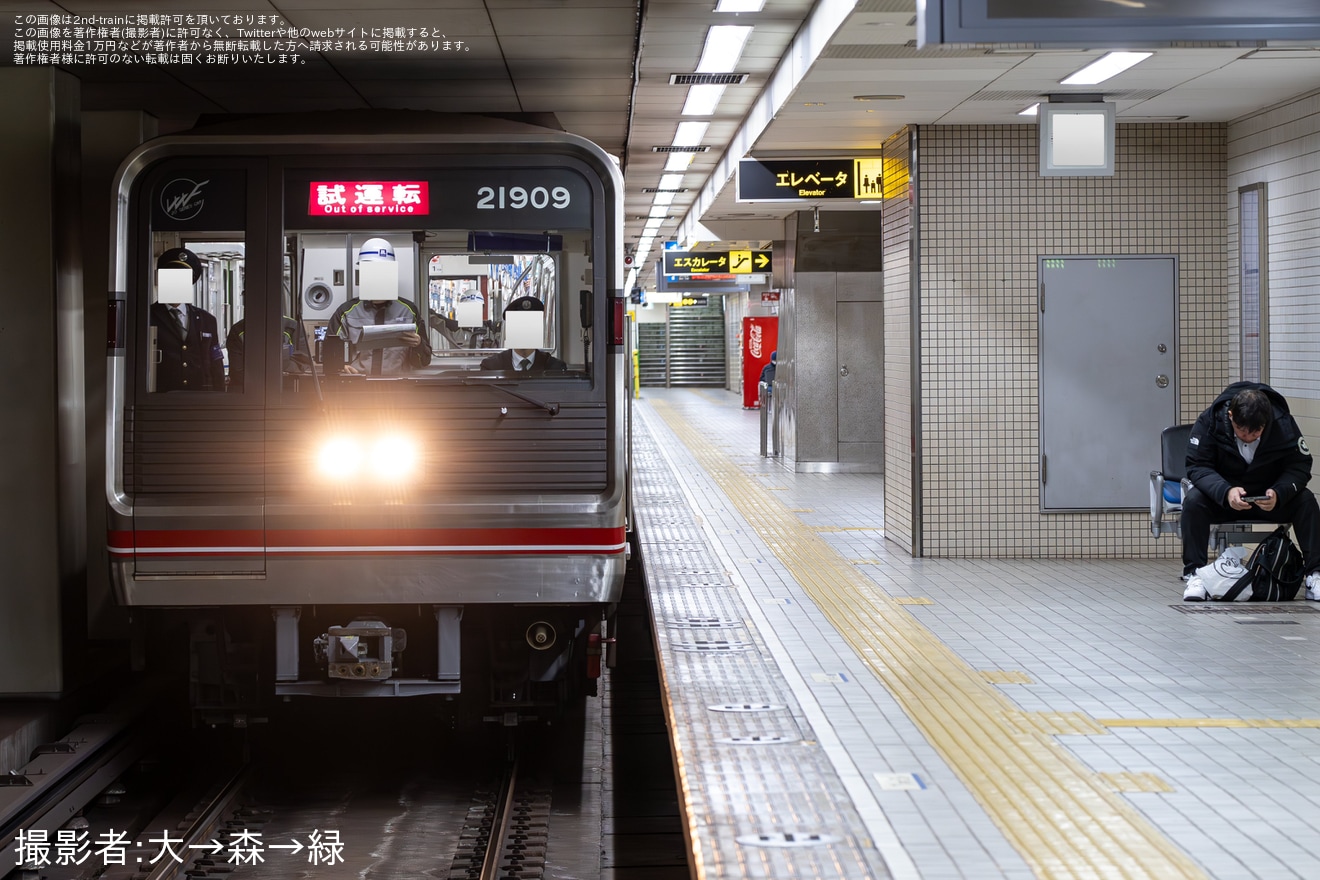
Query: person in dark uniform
x,y
187,339
1248,460
295,356
524,360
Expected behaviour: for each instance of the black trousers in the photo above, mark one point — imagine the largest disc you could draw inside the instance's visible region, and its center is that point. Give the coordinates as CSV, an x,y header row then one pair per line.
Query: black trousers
x,y
1198,512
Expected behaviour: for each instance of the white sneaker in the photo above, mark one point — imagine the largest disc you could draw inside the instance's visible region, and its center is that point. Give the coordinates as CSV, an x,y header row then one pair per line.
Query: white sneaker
x,y
1313,586
1195,590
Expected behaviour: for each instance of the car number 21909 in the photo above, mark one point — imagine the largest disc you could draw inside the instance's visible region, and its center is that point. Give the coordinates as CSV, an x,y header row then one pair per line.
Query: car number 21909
x,y
518,197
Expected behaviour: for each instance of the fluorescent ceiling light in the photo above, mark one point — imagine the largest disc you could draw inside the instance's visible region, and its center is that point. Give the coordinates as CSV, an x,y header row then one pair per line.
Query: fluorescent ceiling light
x,y
671,181
653,224
702,100
739,5
1030,111
678,162
1105,67
663,199
724,45
689,134
660,211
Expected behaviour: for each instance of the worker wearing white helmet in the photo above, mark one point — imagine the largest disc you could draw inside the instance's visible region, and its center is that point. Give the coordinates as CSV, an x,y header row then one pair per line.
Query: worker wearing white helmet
x,y
378,303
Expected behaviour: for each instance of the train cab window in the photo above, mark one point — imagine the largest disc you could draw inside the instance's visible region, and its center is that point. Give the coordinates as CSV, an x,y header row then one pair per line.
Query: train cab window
x,y
192,287
423,306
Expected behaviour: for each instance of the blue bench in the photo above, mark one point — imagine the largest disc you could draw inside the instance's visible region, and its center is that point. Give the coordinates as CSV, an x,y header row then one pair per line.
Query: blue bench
x,y
1169,484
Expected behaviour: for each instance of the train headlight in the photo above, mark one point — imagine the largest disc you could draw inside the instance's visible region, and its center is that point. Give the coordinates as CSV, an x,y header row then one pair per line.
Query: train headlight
x,y
369,458
392,458
338,457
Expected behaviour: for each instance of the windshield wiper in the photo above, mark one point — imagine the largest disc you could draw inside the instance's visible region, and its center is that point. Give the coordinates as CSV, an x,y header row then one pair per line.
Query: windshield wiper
x,y
552,408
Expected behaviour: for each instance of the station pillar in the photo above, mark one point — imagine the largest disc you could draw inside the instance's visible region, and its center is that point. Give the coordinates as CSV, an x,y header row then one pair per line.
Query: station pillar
x,y
42,450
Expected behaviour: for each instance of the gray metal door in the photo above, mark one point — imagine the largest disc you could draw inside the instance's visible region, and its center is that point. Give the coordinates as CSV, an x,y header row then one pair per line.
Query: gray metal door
x,y
860,335
1108,377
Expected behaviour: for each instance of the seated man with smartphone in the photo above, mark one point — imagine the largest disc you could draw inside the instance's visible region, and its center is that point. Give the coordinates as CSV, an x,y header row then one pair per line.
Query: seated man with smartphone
x,y
1248,460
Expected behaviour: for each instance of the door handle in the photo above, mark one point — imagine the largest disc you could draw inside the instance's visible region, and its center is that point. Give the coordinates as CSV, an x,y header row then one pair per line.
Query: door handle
x,y
1161,381
843,370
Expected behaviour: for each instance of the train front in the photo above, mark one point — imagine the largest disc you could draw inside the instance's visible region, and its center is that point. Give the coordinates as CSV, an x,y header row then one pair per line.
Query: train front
x,y
367,413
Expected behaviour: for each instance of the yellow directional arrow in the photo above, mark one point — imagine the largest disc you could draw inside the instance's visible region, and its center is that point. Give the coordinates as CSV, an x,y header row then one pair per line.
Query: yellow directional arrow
x,y
762,260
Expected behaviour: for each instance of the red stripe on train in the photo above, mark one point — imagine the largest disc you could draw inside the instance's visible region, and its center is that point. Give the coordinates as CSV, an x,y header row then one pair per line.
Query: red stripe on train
x,y
310,541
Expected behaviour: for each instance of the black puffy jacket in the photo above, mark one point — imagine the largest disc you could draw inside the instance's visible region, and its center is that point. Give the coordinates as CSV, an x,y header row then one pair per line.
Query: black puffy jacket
x,y
1282,461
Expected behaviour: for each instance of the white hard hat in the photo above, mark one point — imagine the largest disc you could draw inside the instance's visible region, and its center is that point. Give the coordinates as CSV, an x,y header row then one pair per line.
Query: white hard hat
x,y
376,249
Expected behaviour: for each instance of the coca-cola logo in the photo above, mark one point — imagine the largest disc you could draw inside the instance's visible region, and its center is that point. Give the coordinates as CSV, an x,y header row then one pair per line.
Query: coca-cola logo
x,y
181,198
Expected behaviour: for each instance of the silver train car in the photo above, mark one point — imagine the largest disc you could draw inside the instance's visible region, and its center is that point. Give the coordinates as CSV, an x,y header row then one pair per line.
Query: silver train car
x,y
326,499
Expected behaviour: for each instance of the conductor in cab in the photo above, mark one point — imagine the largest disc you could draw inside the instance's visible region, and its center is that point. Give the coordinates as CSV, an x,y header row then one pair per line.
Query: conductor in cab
x,y
524,330
188,354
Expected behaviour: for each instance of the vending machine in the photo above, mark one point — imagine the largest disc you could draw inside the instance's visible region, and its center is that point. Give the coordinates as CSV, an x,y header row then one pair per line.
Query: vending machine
x,y
760,336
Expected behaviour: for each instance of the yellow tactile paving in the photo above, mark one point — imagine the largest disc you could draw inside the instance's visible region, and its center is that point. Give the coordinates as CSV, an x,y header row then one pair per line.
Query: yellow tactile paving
x,y
1135,782
1250,723
1065,820
999,676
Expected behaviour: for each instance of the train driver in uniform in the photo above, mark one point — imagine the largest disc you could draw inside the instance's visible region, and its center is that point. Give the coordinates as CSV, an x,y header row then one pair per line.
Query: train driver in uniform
x,y
377,304
188,355
524,330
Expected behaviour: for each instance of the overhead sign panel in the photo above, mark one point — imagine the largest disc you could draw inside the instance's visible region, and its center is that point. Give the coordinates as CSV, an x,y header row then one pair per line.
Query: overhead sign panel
x,y
716,262
1120,22
811,180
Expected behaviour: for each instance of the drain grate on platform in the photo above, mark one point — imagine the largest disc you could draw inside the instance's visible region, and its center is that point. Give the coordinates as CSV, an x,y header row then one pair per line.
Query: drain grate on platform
x,y
772,739
703,623
717,647
788,839
745,707
1234,608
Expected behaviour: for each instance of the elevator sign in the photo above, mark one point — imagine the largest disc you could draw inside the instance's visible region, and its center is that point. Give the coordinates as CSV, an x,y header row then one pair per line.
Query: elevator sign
x,y
357,198
810,180
716,262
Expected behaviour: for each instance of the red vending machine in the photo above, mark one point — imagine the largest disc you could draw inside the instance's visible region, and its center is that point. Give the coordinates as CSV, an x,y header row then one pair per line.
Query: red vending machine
x,y
760,336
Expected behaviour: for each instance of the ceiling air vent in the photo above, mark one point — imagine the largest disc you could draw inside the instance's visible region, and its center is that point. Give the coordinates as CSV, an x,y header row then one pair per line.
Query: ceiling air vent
x,y
672,149
707,79
652,189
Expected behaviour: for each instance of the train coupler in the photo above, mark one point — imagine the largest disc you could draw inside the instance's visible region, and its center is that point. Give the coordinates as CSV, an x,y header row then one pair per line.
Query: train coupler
x,y
365,650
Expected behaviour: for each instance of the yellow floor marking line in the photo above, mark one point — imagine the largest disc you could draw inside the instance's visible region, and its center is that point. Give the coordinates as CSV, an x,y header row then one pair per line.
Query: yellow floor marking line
x,y
1247,723
1002,676
1059,815
1064,723
1135,782
912,600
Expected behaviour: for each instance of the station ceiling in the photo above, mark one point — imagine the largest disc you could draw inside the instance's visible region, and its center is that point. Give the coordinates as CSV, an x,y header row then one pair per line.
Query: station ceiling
x,y
830,78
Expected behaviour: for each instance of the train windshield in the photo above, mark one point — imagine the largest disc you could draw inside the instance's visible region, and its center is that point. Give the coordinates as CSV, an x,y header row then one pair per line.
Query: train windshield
x,y
462,273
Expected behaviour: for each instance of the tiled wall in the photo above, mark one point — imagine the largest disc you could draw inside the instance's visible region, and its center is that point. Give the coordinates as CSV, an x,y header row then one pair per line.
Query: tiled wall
x,y
985,216
1280,147
901,484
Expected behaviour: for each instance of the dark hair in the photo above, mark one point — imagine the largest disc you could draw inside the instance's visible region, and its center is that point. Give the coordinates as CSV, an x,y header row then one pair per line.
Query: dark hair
x,y
1251,409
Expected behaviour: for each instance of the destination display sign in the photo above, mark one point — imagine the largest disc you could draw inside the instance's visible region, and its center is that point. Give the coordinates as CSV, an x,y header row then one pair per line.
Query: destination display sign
x,y
794,180
461,198
716,262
